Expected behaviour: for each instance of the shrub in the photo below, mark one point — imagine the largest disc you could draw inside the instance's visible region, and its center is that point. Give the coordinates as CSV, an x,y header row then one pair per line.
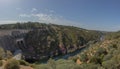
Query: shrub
x,y
22,62
9,54
84,57
1,62
96,60
100,51
89,66
52,63
2,53
12,64
107,57
77,67
42,66
110,64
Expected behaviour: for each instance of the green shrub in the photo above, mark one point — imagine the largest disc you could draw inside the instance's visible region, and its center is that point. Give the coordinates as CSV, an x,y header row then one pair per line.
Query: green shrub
x,y
52,63
96,60
22,62
1,62
89,66
2,53
100,51
9,54
42,66
84,57
12,64
77,67
110,64
107,57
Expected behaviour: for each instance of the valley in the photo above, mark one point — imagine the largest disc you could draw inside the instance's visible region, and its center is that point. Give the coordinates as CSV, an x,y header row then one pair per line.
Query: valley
x,y
43,38
40,45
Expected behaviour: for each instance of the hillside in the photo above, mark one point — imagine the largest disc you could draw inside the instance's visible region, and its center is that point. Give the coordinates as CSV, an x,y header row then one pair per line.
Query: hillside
x,y
53,40
38,42
101,55
42,41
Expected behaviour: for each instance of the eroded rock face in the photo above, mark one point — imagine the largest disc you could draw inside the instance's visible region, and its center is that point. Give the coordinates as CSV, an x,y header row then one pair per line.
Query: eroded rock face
x,y
50,41
18,55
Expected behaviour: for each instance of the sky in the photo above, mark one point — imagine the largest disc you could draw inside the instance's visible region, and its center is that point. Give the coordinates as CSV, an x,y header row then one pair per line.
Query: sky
x,y
89,14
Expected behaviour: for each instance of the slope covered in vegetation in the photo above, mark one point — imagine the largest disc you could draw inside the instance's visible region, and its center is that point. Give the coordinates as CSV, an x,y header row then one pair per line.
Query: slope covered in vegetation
x,y
53,40
101,55
50,40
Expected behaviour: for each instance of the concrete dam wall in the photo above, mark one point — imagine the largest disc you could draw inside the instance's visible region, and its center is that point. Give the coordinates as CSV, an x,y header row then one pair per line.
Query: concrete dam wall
x,y
12,39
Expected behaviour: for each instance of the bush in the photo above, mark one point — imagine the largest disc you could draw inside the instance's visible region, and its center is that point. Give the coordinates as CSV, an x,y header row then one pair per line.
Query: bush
x,y
12,64
96,60
1,62
77,67
52,63
9,54
22,62
89,66
107,57
42,66
2,53
110,64
100,51
84,57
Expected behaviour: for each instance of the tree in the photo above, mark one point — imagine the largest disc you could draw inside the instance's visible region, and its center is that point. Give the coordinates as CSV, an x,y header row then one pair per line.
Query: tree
x,y
52,63
2,53
9,54
12,64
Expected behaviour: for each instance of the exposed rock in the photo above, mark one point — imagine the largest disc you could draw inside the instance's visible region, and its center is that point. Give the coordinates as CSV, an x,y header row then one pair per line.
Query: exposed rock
x,y
78,61
18,55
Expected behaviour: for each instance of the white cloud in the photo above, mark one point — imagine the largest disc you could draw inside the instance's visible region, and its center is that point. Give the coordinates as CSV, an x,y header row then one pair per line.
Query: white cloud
x,y
50,11
50,18
8,21
34,10
41,17
24,15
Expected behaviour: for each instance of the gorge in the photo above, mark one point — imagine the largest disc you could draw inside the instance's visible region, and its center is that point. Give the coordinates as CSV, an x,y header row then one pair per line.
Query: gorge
x,y
38,41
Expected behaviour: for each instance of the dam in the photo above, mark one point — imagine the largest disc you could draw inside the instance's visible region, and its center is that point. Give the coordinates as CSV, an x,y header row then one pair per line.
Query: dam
x,y
13,40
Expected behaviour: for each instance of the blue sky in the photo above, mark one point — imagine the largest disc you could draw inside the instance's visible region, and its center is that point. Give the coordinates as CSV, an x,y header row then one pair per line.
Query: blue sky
x,y
90,14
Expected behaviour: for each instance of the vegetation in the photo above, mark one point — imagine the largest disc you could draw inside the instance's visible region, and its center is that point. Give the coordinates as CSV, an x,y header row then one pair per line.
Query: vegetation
x,y
48,40
12,64
1,63
5,54
23,62
101,55
2,53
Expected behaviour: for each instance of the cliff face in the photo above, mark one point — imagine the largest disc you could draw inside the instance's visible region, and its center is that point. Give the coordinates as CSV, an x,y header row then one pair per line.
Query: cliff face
x,y
52,40
44,40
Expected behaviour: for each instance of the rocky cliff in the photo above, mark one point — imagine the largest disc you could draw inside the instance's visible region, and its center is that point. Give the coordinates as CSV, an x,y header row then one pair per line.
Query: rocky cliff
x,y
53,40
44,40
